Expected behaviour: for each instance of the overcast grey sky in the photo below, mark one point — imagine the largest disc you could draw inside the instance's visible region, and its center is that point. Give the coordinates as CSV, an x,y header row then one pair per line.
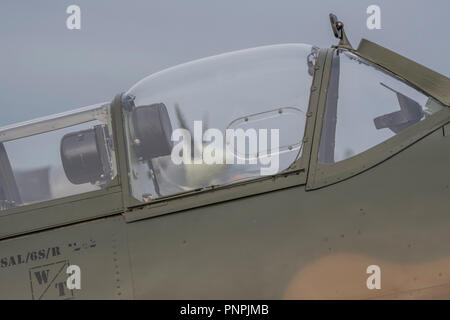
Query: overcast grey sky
x,y
46,68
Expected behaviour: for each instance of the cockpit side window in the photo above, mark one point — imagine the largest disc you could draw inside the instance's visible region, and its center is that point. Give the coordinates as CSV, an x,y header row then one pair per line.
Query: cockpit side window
x,y
366,106
218,120
56,157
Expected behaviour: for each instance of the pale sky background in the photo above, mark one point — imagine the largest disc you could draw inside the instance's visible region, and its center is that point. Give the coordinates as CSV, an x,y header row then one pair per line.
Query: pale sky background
x,y
46,68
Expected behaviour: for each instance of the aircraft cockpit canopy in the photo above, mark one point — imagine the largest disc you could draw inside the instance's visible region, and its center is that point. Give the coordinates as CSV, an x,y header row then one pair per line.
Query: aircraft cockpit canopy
x,y
210,123
240,115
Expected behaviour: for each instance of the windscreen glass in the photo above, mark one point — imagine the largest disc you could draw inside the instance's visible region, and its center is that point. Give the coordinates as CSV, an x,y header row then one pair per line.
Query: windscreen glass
x,y
366,106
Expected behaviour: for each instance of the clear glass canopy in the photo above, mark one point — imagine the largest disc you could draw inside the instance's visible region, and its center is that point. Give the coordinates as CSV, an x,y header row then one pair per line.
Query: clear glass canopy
x,y
218,120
